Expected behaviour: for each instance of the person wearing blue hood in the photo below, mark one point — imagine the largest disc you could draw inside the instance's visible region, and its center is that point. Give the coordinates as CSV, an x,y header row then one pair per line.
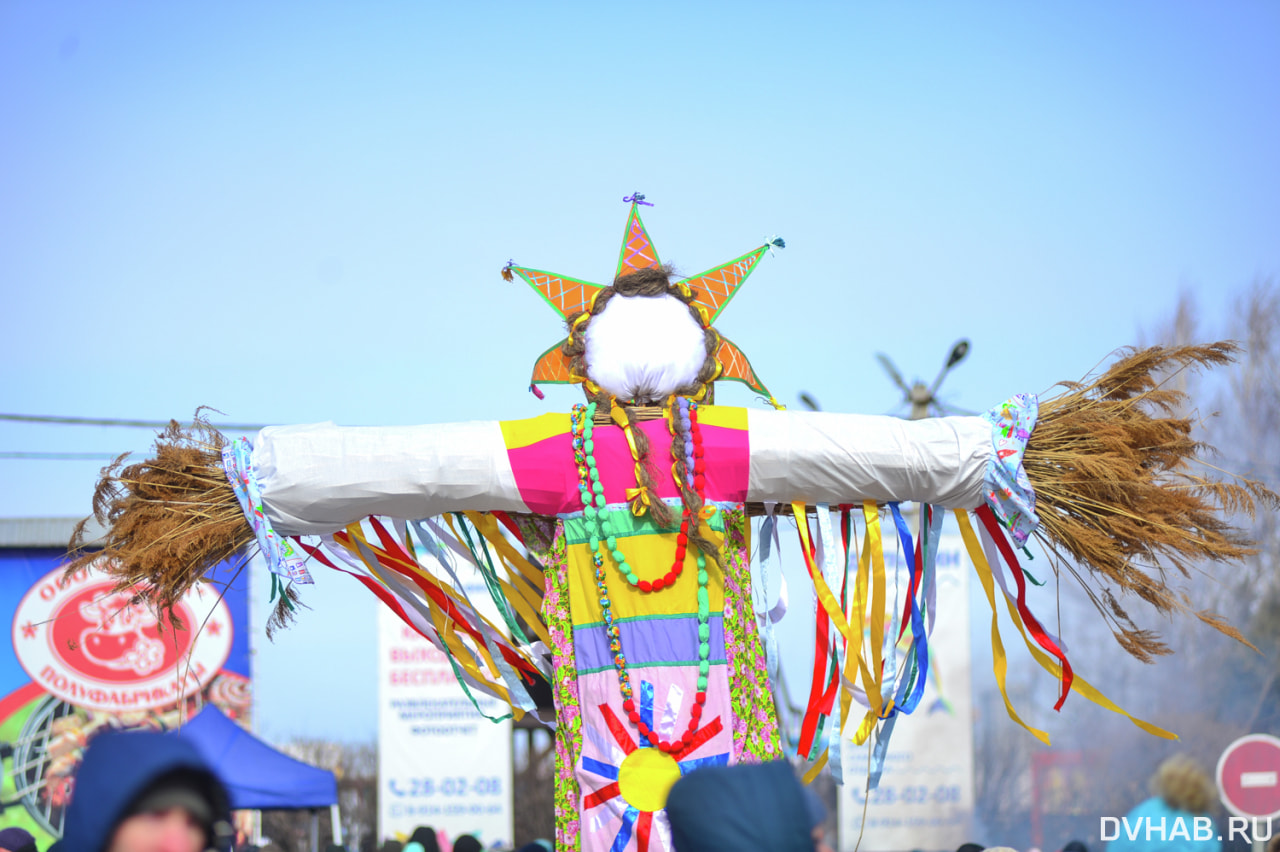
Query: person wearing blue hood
x,y
745,808
143,791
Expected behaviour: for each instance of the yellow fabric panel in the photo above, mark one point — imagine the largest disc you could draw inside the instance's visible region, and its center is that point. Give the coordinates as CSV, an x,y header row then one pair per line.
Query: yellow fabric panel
x,y
645,554
523,433
729,416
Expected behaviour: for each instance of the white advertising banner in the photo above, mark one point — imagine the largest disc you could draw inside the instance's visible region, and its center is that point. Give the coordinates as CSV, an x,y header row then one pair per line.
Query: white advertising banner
x,y
440,763
925,796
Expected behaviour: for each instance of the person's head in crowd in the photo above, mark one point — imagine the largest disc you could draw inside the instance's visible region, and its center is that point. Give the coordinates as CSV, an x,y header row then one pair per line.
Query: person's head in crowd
x,y
1184,785
744,808
466,843
969,847
539,845
143,791
1075,846
17,840
424,836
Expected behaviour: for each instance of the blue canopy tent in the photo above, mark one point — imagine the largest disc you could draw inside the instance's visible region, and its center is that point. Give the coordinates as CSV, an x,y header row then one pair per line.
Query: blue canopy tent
x,y
256,775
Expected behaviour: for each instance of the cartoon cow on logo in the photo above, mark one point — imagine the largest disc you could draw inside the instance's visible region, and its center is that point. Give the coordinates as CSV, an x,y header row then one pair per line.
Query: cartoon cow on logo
x,y
116,639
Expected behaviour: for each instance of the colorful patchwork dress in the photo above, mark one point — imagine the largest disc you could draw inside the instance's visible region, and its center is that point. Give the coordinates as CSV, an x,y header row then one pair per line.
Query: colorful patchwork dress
x,y
611,784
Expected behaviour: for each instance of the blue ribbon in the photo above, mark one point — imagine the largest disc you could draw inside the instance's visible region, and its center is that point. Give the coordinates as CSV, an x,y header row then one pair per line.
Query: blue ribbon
x,y
918,655
624,833
646,705
919,639
637,198
687,766
604,770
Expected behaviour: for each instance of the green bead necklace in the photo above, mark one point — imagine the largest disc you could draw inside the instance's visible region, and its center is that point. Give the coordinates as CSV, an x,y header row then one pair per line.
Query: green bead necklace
x,y
603,540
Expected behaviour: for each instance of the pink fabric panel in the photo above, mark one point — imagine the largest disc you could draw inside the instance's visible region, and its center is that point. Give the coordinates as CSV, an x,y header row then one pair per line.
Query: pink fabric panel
x,y
548,480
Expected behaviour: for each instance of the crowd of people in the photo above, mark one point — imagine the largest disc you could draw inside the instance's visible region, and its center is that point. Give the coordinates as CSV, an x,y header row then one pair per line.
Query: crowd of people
x,y
427,839
151,792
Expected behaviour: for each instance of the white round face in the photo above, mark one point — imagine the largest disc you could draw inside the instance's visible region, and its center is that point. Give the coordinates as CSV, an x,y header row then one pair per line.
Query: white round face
x,y
644,348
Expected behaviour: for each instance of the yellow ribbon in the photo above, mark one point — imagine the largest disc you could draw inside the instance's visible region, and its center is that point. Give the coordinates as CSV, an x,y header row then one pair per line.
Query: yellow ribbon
x,y
488,526
1079,684
713,536
525,600
524,605
812,772
618,413
854,661
619,416
865,727
638,497
872,562
442,624
871,514
1000,665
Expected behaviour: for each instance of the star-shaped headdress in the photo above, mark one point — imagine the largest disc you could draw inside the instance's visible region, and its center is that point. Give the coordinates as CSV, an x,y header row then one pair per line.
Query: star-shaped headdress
x,y
712,291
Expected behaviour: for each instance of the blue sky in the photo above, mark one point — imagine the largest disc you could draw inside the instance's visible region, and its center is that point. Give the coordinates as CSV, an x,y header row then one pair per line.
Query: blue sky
x,y
298,212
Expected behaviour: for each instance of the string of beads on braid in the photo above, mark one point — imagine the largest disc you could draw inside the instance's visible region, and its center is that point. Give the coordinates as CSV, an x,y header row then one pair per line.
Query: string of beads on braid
x,y
681,474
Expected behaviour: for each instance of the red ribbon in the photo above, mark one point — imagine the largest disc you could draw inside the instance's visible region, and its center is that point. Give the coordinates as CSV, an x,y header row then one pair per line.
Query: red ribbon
x,y
642,831
1042,638
915,580
619,731
601,796
506,521
700,736
820,700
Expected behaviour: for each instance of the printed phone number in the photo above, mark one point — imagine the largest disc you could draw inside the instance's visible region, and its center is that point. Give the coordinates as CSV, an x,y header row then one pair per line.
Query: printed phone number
x,y
421,788
912,794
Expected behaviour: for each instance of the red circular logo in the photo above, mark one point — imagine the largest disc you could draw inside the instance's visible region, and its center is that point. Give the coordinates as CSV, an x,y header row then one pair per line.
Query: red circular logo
x,y
110,638
95,647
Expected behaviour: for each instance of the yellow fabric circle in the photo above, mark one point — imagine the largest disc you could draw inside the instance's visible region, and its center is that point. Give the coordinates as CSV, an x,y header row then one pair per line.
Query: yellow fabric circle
x,y
645,778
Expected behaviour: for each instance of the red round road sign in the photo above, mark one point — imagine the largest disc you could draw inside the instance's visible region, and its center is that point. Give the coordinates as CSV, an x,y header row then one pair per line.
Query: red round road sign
x,y
1249,776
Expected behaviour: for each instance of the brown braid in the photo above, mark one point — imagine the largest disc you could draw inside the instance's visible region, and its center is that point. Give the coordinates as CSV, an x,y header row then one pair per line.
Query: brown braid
x,y
645,474
680,471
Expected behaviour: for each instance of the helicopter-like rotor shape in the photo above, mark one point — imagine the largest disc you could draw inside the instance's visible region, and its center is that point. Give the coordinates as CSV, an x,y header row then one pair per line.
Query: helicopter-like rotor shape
x,y
923,398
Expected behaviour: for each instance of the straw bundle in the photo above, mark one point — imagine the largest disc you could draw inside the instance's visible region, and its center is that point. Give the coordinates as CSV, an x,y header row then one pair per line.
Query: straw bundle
x,y
169,519
1111,463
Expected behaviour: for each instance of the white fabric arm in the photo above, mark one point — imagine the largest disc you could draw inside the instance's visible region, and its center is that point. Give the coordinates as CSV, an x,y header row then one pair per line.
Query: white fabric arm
x,y
320,477
817,457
